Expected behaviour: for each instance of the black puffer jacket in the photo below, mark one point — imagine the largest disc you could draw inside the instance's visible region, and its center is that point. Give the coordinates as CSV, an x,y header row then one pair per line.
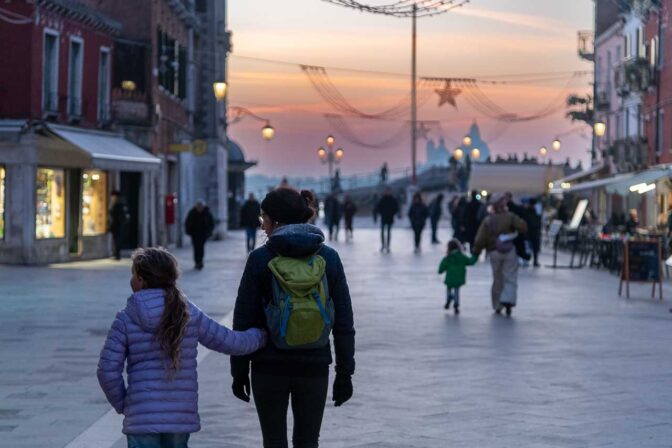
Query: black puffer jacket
x,y
255,291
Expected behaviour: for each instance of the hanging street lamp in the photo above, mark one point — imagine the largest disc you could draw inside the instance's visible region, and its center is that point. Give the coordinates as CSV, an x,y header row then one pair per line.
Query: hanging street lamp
x,y
466,141
475,153
556,145
600,128
267,132
219,87
543,151
458,154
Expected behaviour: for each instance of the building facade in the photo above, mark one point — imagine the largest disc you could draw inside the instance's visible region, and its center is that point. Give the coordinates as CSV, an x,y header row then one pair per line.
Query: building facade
x,y
59,159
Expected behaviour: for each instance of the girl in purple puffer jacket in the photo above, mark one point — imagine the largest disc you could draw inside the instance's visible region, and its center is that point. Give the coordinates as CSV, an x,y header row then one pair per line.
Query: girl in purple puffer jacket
x,y
156,335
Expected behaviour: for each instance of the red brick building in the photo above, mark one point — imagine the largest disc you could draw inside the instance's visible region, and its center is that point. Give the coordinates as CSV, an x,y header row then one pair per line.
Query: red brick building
x,y
58,160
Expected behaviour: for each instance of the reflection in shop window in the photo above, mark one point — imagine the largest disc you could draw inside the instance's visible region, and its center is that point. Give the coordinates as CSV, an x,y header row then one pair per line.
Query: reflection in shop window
x,y
94,204
2,202
50,214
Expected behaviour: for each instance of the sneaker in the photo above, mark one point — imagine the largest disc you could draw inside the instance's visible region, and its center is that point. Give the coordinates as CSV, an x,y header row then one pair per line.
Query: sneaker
x,y
457,310
498,311
508,311
446,306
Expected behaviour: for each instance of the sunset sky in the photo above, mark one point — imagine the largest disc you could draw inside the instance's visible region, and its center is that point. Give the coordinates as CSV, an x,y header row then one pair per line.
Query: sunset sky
x,y
490,39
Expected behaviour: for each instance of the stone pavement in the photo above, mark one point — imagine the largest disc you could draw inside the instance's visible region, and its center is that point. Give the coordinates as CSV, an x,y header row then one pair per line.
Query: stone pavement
x,y
576,366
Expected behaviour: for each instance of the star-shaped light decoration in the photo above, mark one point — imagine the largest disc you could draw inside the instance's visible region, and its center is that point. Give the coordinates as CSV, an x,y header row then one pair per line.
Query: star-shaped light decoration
x,y
447,94
422,131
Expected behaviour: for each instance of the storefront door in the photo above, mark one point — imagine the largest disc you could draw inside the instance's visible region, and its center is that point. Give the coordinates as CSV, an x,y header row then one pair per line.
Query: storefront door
x,y
130,190
74,209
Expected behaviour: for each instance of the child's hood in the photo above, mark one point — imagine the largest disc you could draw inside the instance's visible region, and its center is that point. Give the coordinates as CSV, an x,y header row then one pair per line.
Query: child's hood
x,y
145,308
455,254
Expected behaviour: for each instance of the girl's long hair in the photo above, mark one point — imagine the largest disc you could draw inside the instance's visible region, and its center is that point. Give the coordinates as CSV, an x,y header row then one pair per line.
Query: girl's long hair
x,y
158,268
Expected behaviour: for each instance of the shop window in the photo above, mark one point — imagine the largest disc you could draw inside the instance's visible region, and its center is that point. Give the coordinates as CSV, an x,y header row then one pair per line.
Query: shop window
x,y
94,202
2,202
50,200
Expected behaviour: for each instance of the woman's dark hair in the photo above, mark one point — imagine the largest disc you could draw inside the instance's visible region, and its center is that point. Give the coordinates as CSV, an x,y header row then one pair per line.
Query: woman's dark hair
x,y
287,206
417,197
453,245
158,268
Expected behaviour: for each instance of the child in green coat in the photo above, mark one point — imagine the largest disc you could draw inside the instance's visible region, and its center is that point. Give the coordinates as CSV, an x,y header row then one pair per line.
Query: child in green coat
x,y
454,264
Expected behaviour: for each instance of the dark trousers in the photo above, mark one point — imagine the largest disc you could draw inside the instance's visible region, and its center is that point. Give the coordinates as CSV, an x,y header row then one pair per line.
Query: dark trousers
x,y
271,397
116,245
164,440
385,234
250,238
199,250
333,230
435,228
417,232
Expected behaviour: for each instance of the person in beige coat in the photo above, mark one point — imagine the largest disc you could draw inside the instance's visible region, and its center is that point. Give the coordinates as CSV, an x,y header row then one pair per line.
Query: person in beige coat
x,y
495,235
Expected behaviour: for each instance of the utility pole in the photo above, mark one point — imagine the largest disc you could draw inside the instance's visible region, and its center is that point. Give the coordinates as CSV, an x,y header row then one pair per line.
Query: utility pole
x,y
414,109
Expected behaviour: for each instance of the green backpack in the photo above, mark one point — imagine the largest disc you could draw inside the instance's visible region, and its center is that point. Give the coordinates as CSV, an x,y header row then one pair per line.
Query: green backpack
x,y
301,314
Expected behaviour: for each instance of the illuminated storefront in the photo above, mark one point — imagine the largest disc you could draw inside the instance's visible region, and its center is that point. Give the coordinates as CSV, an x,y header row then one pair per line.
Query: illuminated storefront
x,y
50,201
94,203
55,185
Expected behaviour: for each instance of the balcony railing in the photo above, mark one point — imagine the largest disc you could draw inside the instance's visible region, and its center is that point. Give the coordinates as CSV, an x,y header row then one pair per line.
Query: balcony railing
x,y
634,76
629,154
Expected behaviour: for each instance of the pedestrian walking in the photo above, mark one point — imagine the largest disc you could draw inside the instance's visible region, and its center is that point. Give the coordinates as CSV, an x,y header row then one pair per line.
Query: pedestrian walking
x,y
387,208
496,235
457,207
472,217
199,226
454,264
333,211
249,219
295,271
435,212
119,219
349,210
156,337
418,214
520,241
534,225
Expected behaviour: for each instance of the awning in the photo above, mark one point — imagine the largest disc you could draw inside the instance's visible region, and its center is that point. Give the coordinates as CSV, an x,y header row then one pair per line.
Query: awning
x,y
580,175
107,150
645,177
619,184
590,184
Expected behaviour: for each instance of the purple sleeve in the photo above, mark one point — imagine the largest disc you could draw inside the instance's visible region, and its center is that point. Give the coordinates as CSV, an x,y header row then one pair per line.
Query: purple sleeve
x,y
111,364
221,339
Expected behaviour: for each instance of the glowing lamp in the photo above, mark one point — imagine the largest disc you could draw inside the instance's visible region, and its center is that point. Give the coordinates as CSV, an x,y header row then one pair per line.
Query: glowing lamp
x,y
556,145
267,132
600,128
458,154
219,88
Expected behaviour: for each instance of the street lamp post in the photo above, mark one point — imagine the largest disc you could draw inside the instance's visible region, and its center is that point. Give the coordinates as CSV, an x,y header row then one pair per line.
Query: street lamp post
x,y
330,157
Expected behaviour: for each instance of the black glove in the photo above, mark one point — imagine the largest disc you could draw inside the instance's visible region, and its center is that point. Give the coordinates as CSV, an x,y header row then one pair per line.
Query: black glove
x,y
342,389
241,388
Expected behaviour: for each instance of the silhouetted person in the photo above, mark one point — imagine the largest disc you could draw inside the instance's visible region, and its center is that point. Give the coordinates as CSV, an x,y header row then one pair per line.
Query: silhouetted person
x,y
457,207
534,224
435,212
473,215
119,218
349,210
418,214
632,223
387,208
333,211
250,214
384,173
199,226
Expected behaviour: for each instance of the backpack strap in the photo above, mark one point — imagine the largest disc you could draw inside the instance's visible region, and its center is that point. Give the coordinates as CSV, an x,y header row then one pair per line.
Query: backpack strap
x,y
323,312
285,315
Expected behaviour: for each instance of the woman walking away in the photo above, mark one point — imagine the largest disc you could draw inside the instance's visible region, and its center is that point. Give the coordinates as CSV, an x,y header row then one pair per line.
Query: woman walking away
x,y
418,214
349,210
435,212
156,335
496,235
454,264
296,286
